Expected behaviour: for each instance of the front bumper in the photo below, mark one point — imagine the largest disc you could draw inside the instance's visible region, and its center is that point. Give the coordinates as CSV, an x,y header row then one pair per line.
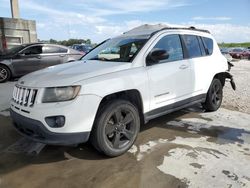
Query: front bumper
x,y
36,131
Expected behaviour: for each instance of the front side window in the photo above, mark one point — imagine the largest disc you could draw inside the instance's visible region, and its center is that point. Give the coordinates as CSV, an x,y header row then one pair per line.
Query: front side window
x,y
192,45
33,50
172,45
121,49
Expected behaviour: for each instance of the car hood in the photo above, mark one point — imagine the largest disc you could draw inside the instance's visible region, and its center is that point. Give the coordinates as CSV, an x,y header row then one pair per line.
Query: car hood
x,y
69,73
6,56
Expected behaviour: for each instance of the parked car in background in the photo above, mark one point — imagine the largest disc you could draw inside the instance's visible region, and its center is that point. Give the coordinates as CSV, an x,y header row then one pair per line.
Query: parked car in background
x,y
225,52
237,53
27,58
83,48
246,54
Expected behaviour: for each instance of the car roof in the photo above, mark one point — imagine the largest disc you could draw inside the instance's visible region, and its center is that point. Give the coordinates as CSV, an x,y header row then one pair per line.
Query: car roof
x,y
148,29
42,43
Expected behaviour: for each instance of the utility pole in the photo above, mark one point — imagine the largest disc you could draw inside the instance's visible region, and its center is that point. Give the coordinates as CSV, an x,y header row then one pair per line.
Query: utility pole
x,y
14,8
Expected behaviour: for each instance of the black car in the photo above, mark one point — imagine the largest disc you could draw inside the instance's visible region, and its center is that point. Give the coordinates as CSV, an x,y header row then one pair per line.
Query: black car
x,y
27,58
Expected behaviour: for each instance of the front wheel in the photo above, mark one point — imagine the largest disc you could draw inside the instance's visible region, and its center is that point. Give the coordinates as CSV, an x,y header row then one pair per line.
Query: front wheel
x,y
116,127
4,74
214,96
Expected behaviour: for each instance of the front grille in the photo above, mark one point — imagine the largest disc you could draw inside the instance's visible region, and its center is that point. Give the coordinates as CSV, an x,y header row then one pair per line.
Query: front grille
x,y
24,96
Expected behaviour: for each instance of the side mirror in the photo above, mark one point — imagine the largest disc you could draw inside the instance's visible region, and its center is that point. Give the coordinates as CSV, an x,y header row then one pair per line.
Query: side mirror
x,y
156,55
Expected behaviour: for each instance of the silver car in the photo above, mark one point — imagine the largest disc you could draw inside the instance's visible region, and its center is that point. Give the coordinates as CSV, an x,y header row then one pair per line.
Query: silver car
x,y
27,58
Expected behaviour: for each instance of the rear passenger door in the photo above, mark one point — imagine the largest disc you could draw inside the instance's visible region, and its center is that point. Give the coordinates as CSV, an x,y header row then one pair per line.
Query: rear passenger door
x,y
199,50
53,55
169,79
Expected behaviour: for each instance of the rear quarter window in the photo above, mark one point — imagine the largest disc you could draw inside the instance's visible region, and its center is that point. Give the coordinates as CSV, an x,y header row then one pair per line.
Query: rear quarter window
x,y
209,45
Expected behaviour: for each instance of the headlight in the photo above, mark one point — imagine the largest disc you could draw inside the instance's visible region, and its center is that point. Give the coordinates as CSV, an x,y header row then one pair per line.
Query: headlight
x,y
57,94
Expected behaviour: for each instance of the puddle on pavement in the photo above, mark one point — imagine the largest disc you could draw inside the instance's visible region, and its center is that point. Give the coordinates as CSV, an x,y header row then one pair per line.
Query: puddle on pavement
x,y
218,134
26,146
222,128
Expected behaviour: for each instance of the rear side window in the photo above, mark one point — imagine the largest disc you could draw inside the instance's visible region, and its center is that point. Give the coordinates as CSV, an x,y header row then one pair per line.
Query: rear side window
x,y
209,45
172,44
54,49
192,45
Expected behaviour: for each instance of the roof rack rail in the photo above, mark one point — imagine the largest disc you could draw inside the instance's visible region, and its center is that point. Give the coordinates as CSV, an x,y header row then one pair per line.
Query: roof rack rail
x,y
181,28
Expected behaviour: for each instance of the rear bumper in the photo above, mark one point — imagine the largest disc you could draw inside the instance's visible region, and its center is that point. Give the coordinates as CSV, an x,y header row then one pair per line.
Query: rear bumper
x,y
36,131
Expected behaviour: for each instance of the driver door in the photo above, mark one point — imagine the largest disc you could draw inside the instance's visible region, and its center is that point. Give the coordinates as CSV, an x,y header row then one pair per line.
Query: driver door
x,y
169,79
28,60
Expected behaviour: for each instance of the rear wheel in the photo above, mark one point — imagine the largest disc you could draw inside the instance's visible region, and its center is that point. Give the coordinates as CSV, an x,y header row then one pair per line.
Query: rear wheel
x,y
4,74
116,127
214,96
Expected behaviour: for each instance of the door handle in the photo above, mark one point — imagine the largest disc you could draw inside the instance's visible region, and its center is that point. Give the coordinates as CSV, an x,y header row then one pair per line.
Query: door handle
x,y
38,57
62,55
183,66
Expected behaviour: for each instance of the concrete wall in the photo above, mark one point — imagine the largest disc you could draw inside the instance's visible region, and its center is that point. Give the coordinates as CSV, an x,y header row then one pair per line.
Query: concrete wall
x,y
16,31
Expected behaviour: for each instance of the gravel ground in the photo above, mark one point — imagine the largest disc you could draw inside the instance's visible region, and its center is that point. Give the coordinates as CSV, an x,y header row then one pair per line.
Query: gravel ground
x,y
238,100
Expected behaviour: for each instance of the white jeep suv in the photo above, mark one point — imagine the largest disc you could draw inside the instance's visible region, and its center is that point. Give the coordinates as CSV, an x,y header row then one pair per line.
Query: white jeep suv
x,y
124,82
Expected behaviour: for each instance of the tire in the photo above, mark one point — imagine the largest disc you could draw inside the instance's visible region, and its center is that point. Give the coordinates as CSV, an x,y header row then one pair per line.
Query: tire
x,y
116,127
5,73
214,96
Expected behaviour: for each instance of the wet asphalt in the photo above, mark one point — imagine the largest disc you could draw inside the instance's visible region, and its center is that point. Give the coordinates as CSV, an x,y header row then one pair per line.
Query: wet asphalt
x,y
188,148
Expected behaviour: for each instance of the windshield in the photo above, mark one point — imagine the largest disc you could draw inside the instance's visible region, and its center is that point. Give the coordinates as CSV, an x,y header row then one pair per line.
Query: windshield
x,y
121,49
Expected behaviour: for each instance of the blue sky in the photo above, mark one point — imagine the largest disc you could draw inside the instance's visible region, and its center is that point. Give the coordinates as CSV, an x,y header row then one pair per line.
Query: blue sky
x,y
228,21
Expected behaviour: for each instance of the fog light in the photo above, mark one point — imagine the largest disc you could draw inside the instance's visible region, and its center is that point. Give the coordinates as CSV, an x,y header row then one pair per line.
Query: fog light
x,y
55,121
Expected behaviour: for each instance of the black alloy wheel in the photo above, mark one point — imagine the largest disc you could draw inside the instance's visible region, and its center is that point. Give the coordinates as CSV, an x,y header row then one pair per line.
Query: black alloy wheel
x,y
214,96
4,74
120,128
116,128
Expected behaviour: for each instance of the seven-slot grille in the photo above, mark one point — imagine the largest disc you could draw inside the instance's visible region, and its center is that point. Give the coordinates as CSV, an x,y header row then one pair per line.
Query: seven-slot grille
x,y
24,96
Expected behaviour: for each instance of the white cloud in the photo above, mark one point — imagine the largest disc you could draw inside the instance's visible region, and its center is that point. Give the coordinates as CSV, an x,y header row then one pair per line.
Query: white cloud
x,y
61,17
110,30
41,25
113,7
93,22
227,32
222,32
221,18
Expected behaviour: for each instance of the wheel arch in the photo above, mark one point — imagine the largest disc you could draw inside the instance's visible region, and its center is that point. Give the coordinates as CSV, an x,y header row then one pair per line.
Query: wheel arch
x,y
132,95
222,77
69,60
